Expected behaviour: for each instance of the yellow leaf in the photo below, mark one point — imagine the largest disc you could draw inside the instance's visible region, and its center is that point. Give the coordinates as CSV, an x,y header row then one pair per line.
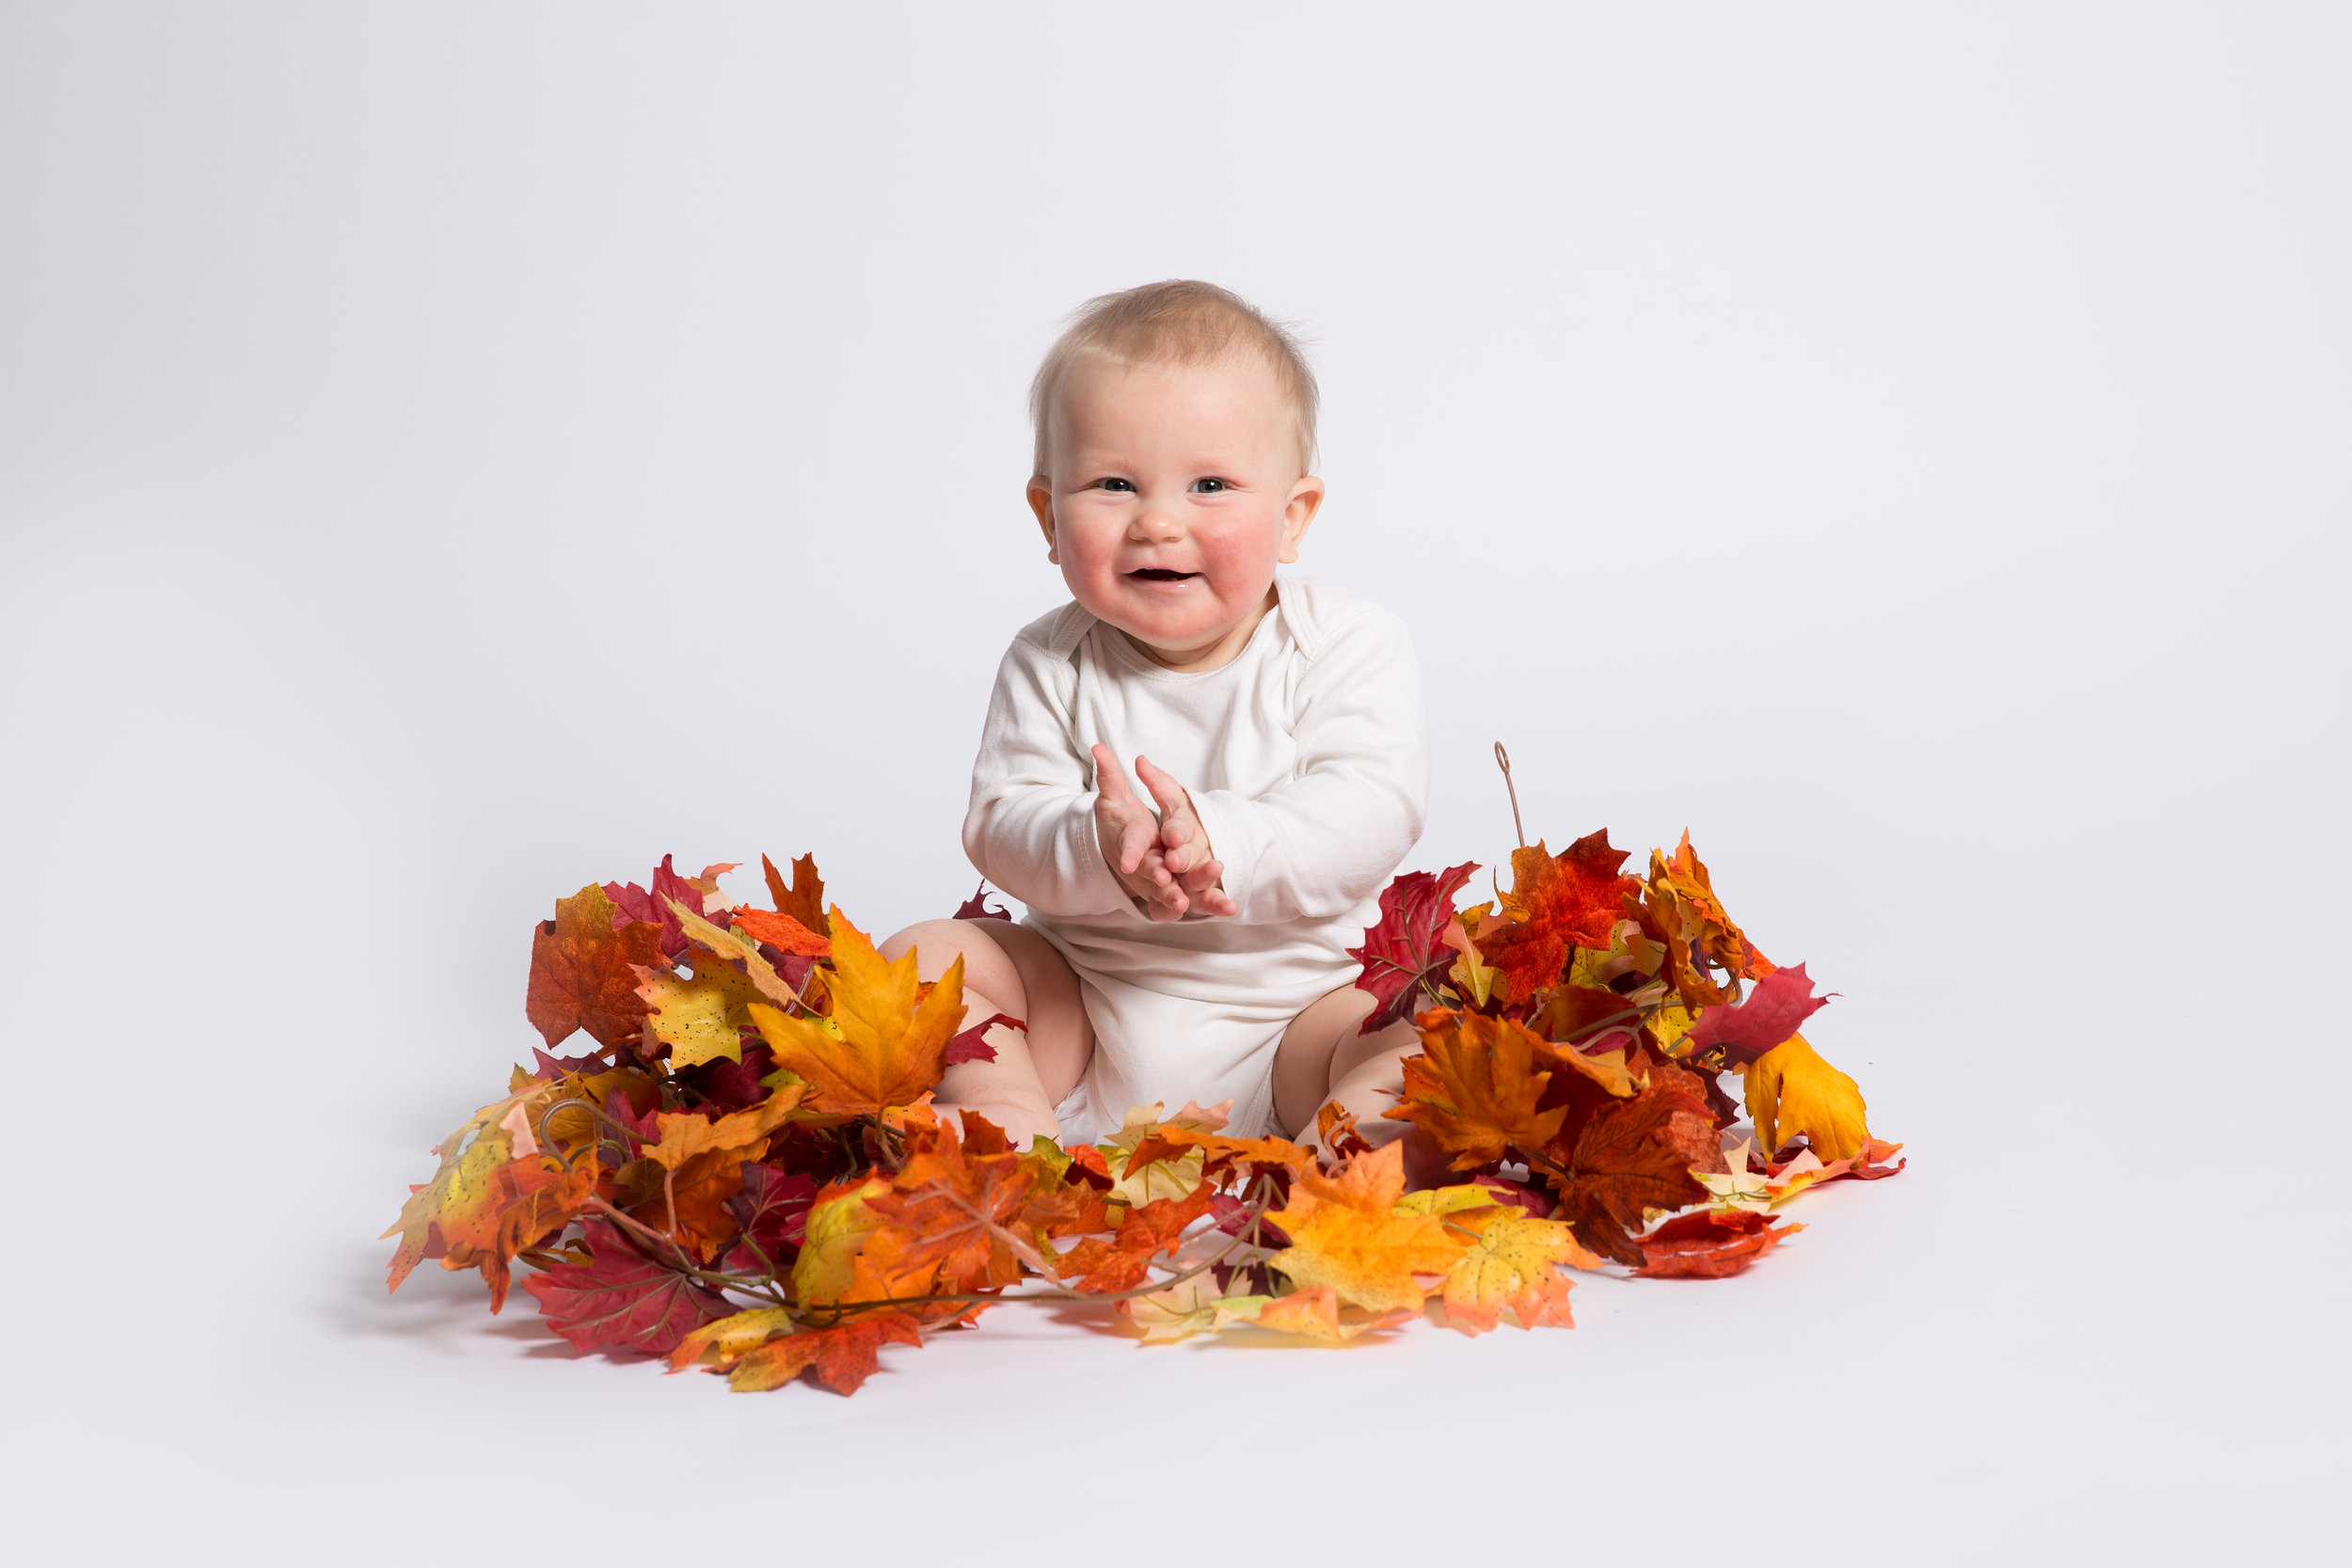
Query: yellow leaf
x,y
684,1136
883,1043
1187,1307
1346,1234
1514,1264
731,1339
1170,1176
698,1018
728,942
1790,1090
838,1224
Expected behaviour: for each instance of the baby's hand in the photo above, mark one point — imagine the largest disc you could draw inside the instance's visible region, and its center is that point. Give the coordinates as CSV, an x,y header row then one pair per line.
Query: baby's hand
x,y
1185,842
1130,838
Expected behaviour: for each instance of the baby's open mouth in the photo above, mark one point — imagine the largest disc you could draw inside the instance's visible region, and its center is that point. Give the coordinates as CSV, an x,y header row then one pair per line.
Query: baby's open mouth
x,y
1161,573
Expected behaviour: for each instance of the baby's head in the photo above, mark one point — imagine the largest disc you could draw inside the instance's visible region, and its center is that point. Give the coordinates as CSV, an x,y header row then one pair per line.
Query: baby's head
x,y
1175,429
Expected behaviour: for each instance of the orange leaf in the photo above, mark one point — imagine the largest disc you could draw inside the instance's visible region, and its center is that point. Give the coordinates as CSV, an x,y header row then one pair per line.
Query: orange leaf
x,y
956,1207
1314,1314
684,1136
1475,1088
1121,1263
803,902
781,930
581,971
841,1358
881,1047
1513,1266
1346,1234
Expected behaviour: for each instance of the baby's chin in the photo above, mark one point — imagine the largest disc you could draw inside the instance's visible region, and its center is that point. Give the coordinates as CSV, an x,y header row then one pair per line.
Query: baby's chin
x,y
1172,619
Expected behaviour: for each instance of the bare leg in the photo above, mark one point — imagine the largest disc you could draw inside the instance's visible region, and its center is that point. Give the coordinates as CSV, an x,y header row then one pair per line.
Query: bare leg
x,y
1323,1057
1009,970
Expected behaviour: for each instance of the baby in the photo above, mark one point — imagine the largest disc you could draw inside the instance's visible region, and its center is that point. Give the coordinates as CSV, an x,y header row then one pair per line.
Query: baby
x,y
1195,951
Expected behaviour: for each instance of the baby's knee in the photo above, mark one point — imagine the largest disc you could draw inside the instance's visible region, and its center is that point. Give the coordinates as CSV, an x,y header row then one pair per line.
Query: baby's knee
x,y
937,943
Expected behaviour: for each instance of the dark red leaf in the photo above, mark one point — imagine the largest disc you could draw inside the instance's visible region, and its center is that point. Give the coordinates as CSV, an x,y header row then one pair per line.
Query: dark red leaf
x,y
1709,1244
621,1298
969,1047
633,903
1405,954
977,907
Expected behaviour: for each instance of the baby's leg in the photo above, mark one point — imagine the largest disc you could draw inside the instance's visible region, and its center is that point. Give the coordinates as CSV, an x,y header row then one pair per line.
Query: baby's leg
x,y
1322,1057
1009,970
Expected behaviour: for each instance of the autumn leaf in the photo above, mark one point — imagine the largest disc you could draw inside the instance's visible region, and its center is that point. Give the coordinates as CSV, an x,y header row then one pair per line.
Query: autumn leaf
x,y
1222,1153
1513,1266
957,1207
621,1298
771,1212
978,907
698,1018
971,1045
1709,1244
583,973
1346,1234
780,931
1573,900
803,902
1475,1088
727,1340
1778,1006
1405,954
1680,905
1187,1307
1634,1157
879,1048
1790,1090
1093,1267
734,947
835,1265
494,1195
1314,1313
682,1136
651,905
841,1358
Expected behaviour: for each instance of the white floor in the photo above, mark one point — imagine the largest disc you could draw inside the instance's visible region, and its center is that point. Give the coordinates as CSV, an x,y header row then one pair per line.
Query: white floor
x,y
446,462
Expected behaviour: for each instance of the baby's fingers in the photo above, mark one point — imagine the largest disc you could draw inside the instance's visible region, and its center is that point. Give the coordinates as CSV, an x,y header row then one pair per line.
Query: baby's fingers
x,y
1136,836
1164,789
1110,780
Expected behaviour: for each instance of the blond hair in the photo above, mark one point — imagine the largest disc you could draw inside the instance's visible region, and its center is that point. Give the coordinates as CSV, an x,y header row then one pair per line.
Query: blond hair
x,y
1181,322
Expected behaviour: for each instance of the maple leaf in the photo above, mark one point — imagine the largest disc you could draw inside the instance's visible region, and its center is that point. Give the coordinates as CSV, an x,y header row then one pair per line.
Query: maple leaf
x,y
780,931
1513,1265
1709,1244
494,1195
880,1048
698,1018
650,904
1587,1018
1574,900
1346,1234
1405,952
836,1265
771,1211
621,1298
1145,1165
841,1358
727,1340
1312,1314
1681,911
1635,1157
977,907
1475,1088
1095,1267
972,1044
956,1207
695,1205
804,900
583,973
735,948
681,1137
1187,1307
1790,1090
1778,1006
1223,1152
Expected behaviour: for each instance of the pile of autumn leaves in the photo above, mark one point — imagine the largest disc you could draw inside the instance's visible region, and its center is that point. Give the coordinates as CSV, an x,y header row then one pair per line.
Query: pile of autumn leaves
x,y
746,1172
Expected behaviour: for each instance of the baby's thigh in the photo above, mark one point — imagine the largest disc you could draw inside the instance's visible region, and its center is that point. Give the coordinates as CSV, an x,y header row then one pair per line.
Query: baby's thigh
x,y
1013,969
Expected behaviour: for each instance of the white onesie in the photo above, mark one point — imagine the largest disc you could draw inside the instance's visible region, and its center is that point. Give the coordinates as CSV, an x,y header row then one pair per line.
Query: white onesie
x,y
1308,760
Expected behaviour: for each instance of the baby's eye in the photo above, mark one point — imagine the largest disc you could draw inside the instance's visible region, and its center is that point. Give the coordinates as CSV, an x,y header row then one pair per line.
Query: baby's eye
x,y
1123,485
1208,486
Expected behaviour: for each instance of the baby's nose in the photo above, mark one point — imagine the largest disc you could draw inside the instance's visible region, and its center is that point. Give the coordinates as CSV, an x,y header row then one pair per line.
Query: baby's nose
x,y
1157,522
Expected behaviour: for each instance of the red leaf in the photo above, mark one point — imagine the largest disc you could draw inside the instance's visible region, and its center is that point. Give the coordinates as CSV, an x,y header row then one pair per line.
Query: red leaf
x,y
977,907
841,1358
621,1298
1404,954
772,1208
1574,900
804,900
969,1047
583,973
781,932
1775,1010
1709,1244
1634,1157
635,903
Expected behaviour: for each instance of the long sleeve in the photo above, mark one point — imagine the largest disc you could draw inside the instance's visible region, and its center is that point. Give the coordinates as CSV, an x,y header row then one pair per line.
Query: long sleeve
x,y
1318,846
1030,828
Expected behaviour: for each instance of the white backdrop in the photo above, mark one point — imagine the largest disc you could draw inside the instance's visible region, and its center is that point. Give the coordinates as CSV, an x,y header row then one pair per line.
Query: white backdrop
x,y
451,455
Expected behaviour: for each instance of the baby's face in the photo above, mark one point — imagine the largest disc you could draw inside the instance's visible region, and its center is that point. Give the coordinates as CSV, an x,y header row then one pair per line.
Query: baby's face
x,y
1175,492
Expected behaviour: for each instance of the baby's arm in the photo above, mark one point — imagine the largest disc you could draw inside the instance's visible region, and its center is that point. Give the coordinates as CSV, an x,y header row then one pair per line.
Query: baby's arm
x,y
1333,835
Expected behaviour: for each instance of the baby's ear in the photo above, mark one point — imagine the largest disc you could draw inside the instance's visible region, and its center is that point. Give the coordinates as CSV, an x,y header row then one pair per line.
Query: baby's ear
x,y
1298,515
1042,502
